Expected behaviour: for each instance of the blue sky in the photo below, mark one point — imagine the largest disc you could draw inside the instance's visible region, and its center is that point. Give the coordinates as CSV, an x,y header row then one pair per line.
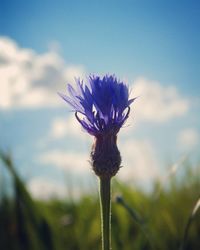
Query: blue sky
x,y
159,39
153,45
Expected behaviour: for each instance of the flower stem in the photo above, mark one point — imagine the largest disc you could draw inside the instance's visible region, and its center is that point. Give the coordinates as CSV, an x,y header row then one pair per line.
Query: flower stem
x,y
105,204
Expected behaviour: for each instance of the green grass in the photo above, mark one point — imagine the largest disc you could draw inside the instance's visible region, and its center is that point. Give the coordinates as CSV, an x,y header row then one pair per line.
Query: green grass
x,y
140,220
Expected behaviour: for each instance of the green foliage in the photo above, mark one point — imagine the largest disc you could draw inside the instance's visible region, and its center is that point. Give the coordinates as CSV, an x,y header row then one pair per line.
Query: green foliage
x,y
140,221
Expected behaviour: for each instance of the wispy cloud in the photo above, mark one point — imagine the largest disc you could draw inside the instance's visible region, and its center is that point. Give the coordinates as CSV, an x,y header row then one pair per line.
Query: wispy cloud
x,y
139,161
44,188
67,126
157,103
74,162
188,138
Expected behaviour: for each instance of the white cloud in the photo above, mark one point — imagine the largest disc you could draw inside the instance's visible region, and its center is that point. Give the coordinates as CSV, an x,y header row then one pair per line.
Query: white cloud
x,y
157,103
29,79
44,189
74,71
68,126
139,161
74,162
188,138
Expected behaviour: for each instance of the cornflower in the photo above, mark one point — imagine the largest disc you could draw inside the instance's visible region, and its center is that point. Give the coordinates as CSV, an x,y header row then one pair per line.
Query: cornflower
x,y
102,106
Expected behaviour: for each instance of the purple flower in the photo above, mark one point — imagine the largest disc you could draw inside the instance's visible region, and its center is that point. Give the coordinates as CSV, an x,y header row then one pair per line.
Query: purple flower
x,y
103,103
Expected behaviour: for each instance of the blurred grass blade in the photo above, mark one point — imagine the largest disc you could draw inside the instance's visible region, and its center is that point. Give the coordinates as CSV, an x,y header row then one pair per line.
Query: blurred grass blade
x,y
189,222
170,173
27,212
137,218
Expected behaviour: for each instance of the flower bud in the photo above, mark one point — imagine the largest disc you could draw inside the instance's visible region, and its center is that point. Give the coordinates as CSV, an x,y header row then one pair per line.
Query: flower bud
x,y
105,156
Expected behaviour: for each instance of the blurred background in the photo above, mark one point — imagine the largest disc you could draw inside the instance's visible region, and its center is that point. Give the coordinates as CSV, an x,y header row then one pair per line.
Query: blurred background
x,y
48,192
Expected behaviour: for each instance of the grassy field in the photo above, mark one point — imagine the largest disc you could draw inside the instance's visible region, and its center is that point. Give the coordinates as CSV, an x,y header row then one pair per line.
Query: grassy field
x,y
140,220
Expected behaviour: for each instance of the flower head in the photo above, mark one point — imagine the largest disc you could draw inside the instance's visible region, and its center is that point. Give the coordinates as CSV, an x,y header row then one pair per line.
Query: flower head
x,y
103,102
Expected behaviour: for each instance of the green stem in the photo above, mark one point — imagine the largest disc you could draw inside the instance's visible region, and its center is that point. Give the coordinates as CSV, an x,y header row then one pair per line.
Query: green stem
x,y
105,212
